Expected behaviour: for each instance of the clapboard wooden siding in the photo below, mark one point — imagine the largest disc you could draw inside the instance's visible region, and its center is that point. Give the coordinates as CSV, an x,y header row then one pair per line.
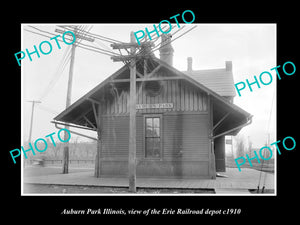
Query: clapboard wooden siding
x,y
184,131
184,146
185,98
184,137
115,137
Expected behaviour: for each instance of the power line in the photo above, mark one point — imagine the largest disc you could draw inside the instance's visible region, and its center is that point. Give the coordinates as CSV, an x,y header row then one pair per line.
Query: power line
x,y
58,73
46,108
142,51
174,38
81,45
155,48
268,126
157,38
40,34
268,143
100,44
41,30
110,53
100,37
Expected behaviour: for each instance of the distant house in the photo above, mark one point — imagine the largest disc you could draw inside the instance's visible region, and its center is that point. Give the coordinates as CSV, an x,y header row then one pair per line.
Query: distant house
x,y
181,121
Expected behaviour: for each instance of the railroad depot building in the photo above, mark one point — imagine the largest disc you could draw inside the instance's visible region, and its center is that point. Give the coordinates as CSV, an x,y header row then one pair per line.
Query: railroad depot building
x,y
182,118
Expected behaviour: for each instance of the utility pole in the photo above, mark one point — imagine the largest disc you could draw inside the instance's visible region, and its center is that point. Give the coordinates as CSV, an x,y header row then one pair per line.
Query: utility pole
x,y
132,121
132,110
68,103
31,122
69,92
132,57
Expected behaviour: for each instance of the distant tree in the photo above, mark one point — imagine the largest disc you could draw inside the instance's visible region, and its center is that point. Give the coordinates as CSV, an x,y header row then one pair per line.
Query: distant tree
x,y
250,148
57,149
240,146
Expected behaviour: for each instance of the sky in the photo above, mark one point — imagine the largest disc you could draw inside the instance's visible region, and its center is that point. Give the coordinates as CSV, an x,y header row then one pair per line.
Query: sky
x,y
250,47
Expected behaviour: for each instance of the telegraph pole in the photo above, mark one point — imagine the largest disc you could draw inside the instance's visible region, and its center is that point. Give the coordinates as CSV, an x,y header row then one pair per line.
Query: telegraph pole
x,y
68,103
31,122
132,57
69,92
132,121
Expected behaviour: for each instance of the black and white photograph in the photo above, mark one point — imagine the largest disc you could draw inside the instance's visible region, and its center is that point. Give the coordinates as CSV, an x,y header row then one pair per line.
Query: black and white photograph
x,y
145,109
148,112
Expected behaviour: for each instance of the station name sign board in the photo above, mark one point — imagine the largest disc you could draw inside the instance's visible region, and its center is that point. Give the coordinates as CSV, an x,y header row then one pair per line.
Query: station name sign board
x,y
155,106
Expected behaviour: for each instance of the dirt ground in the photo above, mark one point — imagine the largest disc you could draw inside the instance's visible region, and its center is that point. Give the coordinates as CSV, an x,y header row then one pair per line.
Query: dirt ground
x,y
68,189
36,188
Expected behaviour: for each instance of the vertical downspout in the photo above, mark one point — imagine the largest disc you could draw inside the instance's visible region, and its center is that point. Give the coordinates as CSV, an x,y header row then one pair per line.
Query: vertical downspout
x,y
99,143
212,163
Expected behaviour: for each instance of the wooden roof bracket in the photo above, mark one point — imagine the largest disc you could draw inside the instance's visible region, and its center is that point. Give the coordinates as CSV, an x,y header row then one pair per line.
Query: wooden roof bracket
x,y
249,121
95,114
221,120
89,122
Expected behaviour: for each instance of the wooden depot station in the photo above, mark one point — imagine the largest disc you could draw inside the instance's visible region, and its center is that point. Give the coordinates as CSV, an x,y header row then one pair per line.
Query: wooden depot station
x,y
181,117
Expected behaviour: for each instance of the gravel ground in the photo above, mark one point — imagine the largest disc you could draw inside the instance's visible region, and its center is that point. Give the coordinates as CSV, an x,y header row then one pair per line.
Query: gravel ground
x,y
42,171
68,189
81,189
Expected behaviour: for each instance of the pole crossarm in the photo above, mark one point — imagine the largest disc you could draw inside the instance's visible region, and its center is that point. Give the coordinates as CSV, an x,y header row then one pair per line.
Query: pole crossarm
x,y
130,45
123,58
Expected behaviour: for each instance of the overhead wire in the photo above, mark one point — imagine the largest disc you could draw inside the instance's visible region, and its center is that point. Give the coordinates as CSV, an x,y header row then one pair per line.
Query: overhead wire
x,y
103,38
65,59
155,48
271,110
153,40
100,37
46,108
58,73
268,130
110,53
81,45
142,51
174,38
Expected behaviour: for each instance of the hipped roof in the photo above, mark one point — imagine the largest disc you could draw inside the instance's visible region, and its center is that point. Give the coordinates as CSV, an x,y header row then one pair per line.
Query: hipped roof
x,y
218,80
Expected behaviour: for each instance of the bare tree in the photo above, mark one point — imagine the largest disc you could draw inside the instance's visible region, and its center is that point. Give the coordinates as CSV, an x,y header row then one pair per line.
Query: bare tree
x,y
240,145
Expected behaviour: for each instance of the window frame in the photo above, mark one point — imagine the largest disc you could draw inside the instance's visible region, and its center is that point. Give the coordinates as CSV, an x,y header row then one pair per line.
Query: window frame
x,y
160,133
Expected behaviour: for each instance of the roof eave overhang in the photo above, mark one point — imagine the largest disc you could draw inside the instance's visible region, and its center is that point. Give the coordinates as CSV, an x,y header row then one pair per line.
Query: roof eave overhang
x,y
88,97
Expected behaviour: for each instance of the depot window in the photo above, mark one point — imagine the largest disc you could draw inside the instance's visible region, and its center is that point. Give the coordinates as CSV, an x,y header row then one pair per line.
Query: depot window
x,y
153,137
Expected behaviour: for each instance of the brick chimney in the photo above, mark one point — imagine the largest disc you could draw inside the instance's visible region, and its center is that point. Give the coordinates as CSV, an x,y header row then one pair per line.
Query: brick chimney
x,y
166,50
189,64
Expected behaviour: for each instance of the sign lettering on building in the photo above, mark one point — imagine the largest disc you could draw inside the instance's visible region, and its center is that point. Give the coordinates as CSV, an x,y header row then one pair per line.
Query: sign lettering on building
x,y
155,106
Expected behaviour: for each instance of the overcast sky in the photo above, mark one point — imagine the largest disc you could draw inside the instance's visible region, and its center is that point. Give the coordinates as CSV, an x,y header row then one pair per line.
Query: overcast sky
x,y
250,47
